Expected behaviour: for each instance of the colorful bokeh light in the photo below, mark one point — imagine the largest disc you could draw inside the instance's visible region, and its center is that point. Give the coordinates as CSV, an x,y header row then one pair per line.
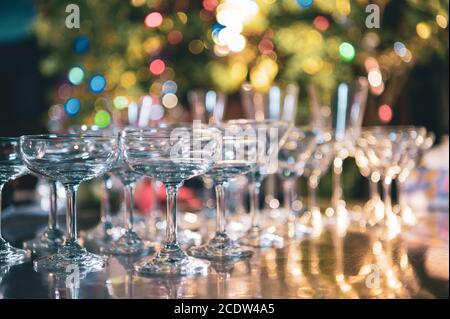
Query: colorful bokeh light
x,y
76,75
102,119
153,20
157,66
72,106
385,113
81,44
321,23
347,51
97,83
305,3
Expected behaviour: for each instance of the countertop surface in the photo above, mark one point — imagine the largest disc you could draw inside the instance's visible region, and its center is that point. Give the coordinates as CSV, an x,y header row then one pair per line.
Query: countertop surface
x,y
358,264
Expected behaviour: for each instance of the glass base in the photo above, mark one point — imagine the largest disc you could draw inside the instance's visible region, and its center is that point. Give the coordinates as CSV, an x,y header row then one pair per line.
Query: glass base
x,y
105,232
10,256
259,238
69,256
129,244
47,243
310,224
221,247
172,261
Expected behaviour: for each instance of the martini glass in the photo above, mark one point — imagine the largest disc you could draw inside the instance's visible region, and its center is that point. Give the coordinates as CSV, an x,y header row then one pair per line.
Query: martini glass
x,y
171,154
53,237
238,157
69,159
384,147
316,166
11,167
292,159
129,243
271,135
421,143
349,114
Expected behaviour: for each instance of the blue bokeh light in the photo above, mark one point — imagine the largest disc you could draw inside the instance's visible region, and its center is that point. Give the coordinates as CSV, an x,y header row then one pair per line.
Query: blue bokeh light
x,y
97,83
81,44
72,106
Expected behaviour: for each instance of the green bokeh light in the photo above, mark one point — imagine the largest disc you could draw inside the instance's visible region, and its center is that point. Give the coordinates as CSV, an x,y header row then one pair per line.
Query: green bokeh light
x,y
102,119
347,51
120,102
76,75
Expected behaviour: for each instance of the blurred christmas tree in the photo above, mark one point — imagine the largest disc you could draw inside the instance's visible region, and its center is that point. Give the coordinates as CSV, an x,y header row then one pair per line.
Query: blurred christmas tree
x,y
128,54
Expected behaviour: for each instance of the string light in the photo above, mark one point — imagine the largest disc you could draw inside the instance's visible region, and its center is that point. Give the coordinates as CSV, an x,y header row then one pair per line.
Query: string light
x,y
153,20
120,102
305,3
72,106
102,119
375,78
441,21
347,51
81,44
157,66
97,83
321,23
170,100
423,29
385,113
400,49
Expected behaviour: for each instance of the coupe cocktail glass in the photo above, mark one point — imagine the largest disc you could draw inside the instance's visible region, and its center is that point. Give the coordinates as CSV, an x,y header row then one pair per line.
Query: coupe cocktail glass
x,y
69,159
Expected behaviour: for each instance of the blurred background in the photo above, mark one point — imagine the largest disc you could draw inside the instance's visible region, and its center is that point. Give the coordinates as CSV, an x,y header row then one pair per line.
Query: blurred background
x,y
135,61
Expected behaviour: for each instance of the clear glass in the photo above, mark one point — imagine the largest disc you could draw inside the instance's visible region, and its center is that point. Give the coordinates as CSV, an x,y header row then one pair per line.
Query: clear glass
x,y
11,167
418,145
70,160
129,243
311,222
171,154
53,237
385,148
271,136
106,231
238,158
292,159
349,112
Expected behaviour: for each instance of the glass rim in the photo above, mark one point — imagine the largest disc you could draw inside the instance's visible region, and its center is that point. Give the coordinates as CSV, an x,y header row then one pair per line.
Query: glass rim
x,y
51,137
9,139
393,127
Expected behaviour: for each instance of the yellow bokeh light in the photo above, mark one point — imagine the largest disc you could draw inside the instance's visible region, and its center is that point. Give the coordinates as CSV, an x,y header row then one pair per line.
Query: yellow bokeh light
x,y
128,79
441,21
152,44
137,3
170,100
423,29
343,7
182,17
196,46
312,65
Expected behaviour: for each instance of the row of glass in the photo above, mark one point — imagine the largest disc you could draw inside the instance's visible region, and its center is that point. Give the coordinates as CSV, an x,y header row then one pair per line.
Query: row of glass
x,y
175,153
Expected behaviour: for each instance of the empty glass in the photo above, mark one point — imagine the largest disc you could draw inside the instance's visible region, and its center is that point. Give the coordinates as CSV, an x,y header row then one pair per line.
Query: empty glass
x,y
69,159
171,154
350,105
52,237
419,144
238,156
11,167
292,158
129,243
384,147
316,166
207,106
105,231
271,135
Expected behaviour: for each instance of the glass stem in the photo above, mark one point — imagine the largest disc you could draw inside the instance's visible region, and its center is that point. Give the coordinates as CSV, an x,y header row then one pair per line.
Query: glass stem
x,y
171,216
401,193
254,203
373,190
1,188
220,210
312,192
71,213
52,216
289,195
104,202
337,183
387,197
129,200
